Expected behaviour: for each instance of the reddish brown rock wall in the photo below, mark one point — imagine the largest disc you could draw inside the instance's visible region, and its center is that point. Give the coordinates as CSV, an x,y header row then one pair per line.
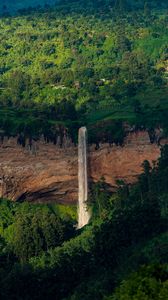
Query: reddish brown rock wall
x,y
47,173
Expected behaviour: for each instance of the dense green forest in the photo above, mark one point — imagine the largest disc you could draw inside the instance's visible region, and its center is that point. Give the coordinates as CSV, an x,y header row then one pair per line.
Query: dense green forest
x,y
12,6
103,64
99,64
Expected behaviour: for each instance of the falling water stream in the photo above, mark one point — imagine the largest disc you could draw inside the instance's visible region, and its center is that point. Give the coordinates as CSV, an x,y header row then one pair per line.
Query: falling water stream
x,y
83,213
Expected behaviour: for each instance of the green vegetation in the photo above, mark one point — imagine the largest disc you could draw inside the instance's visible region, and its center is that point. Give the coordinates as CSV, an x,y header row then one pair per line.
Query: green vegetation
x,y
149,283
103,64
84,64
27,230
11,6
122,253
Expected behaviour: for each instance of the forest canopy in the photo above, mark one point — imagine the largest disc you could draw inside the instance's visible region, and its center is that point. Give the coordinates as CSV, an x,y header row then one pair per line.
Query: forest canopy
x,y
78,64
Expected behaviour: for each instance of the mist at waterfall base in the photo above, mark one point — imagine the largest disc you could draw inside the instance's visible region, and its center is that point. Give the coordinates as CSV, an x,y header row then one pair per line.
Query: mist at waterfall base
x,y
83,213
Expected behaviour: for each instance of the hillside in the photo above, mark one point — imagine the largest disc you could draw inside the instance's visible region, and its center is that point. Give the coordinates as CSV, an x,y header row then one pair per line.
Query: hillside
x,y
76,69
102,64
12,6
121,254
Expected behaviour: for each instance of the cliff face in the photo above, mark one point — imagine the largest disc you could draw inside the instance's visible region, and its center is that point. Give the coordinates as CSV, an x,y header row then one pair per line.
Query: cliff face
x,y
47,173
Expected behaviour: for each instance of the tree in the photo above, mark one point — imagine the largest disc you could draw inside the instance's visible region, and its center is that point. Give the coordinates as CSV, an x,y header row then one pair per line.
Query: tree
x,y
36,232
151,282
147,11
99,199
121,5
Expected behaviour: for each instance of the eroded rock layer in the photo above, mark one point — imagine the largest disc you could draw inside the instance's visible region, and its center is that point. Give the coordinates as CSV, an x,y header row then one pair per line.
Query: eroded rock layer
x,y
46,173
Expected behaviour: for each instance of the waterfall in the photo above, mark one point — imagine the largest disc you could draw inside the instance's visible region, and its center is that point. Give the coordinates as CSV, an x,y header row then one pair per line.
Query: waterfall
x,y
83,213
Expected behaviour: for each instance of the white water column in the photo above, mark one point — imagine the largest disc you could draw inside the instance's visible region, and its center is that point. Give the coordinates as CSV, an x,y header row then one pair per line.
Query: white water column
x,y
83,213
